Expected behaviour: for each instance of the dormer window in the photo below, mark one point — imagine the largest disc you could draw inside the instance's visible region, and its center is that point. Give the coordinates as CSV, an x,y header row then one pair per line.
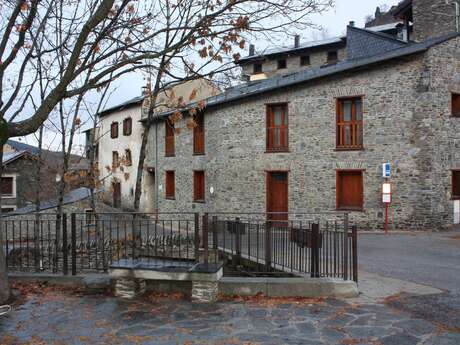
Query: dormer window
x,y
305,60
332,57
257,68
282,64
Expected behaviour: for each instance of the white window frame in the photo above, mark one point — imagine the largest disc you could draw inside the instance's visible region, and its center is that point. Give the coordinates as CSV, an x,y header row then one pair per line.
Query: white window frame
x,y
12,196
14,207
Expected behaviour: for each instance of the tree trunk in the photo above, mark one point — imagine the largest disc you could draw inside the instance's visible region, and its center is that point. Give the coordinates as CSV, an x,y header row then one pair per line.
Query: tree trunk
x,y
4,285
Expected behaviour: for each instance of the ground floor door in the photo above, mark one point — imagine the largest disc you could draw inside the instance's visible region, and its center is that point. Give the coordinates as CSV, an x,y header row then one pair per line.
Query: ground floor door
x,y
277,197
116,194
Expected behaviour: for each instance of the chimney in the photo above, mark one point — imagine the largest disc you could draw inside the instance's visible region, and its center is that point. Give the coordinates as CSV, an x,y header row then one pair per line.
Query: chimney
x,y
378,12
296,41
252,50
352,24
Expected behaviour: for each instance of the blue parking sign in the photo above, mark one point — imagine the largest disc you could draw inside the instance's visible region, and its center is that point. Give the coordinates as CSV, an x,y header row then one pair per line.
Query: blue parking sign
x,y
386,170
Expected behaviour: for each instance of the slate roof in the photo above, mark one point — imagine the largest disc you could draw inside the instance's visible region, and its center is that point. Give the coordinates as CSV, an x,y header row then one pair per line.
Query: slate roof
x,y
9,157
75,195
134,101
302,76
292,49
19,146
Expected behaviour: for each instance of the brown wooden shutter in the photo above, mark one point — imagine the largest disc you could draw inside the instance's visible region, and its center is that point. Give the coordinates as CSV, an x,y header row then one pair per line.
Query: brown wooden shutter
x,y
170,189
198,185
350,190
169,139
456,105
114,130
7,185
456,184
198,134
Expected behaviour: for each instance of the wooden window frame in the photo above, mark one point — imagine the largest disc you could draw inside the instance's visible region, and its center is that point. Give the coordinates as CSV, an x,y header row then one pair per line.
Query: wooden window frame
x,y
13,193
170,141
307,58
196,196
281,63
337,194
454,184
330,61
357,126
199,148
115,160
128,157
114,130
256,70
455,105
127,126
270,127
170,184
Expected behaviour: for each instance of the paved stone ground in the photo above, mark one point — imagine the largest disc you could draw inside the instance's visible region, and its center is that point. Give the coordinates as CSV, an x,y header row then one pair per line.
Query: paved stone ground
x,y
65,318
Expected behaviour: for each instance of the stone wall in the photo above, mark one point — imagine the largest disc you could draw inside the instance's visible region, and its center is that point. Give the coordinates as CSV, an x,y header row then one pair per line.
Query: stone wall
x,y
432,18
406,119
270,66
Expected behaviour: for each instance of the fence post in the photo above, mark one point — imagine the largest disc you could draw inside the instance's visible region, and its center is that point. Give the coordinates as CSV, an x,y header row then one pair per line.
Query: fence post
x,y
314,250
205,238
73,235
214,233
268,245
197,236
237,241
354,230
345,247
65,251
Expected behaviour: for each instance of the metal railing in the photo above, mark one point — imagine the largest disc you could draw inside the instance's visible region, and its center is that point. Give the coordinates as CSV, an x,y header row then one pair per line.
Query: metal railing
x,y
350,135
317,245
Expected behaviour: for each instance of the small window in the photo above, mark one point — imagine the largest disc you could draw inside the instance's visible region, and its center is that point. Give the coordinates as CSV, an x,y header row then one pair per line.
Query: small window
x,y
169,139
277,128
257,68
455,105
115,160
90,216
350,123
282,64
198,134
198,186
456,184
305,60
332,57
128,158
170,189
114,130
7,186
127,126
8,209
350,190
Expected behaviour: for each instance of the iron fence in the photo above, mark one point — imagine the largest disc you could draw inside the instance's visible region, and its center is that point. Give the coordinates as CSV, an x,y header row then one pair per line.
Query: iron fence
x,y
318,245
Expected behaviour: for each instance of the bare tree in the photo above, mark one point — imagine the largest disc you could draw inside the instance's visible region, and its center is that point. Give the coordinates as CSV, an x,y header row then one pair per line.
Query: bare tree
x,y
85,44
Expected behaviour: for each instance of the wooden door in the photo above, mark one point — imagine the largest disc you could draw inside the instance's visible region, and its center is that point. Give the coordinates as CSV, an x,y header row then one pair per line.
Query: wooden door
x,y
277,197
116,194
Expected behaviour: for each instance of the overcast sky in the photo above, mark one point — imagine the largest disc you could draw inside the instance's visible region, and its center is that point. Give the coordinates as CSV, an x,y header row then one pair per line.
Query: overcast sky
x,y
334,21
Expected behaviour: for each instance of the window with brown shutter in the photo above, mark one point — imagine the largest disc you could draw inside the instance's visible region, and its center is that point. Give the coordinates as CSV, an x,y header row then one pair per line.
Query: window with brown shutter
x,y
114,130
115,160
198,134
305,60
128,158
169,139
198,186
350,123
7,186
257,68
127,126
455,105
277,128
350,190
456,184
170,189
282,64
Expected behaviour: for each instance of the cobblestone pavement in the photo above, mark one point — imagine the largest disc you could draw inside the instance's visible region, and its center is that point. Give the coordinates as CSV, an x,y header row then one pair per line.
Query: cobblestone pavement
x,y
65,318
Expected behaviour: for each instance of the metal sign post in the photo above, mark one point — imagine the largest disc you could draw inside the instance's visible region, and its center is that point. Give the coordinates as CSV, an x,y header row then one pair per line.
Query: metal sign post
x,y
386,199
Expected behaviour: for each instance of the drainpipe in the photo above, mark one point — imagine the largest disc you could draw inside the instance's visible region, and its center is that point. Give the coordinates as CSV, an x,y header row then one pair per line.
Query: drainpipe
x,y
155,194
457,14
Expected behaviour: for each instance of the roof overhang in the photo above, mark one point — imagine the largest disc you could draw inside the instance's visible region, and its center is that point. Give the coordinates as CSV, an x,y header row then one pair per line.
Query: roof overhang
x,y
403,10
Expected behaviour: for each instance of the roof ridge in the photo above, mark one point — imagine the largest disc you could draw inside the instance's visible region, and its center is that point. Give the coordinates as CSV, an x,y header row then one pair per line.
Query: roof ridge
x,y
381,35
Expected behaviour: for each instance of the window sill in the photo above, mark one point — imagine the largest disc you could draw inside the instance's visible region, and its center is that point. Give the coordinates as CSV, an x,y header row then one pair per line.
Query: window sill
x,y
168,156
199,153
350,209
278,151
170,198
338,149
199,201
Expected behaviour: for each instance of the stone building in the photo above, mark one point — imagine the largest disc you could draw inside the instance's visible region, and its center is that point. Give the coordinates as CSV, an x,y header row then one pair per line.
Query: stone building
x,y
309,138
118,141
